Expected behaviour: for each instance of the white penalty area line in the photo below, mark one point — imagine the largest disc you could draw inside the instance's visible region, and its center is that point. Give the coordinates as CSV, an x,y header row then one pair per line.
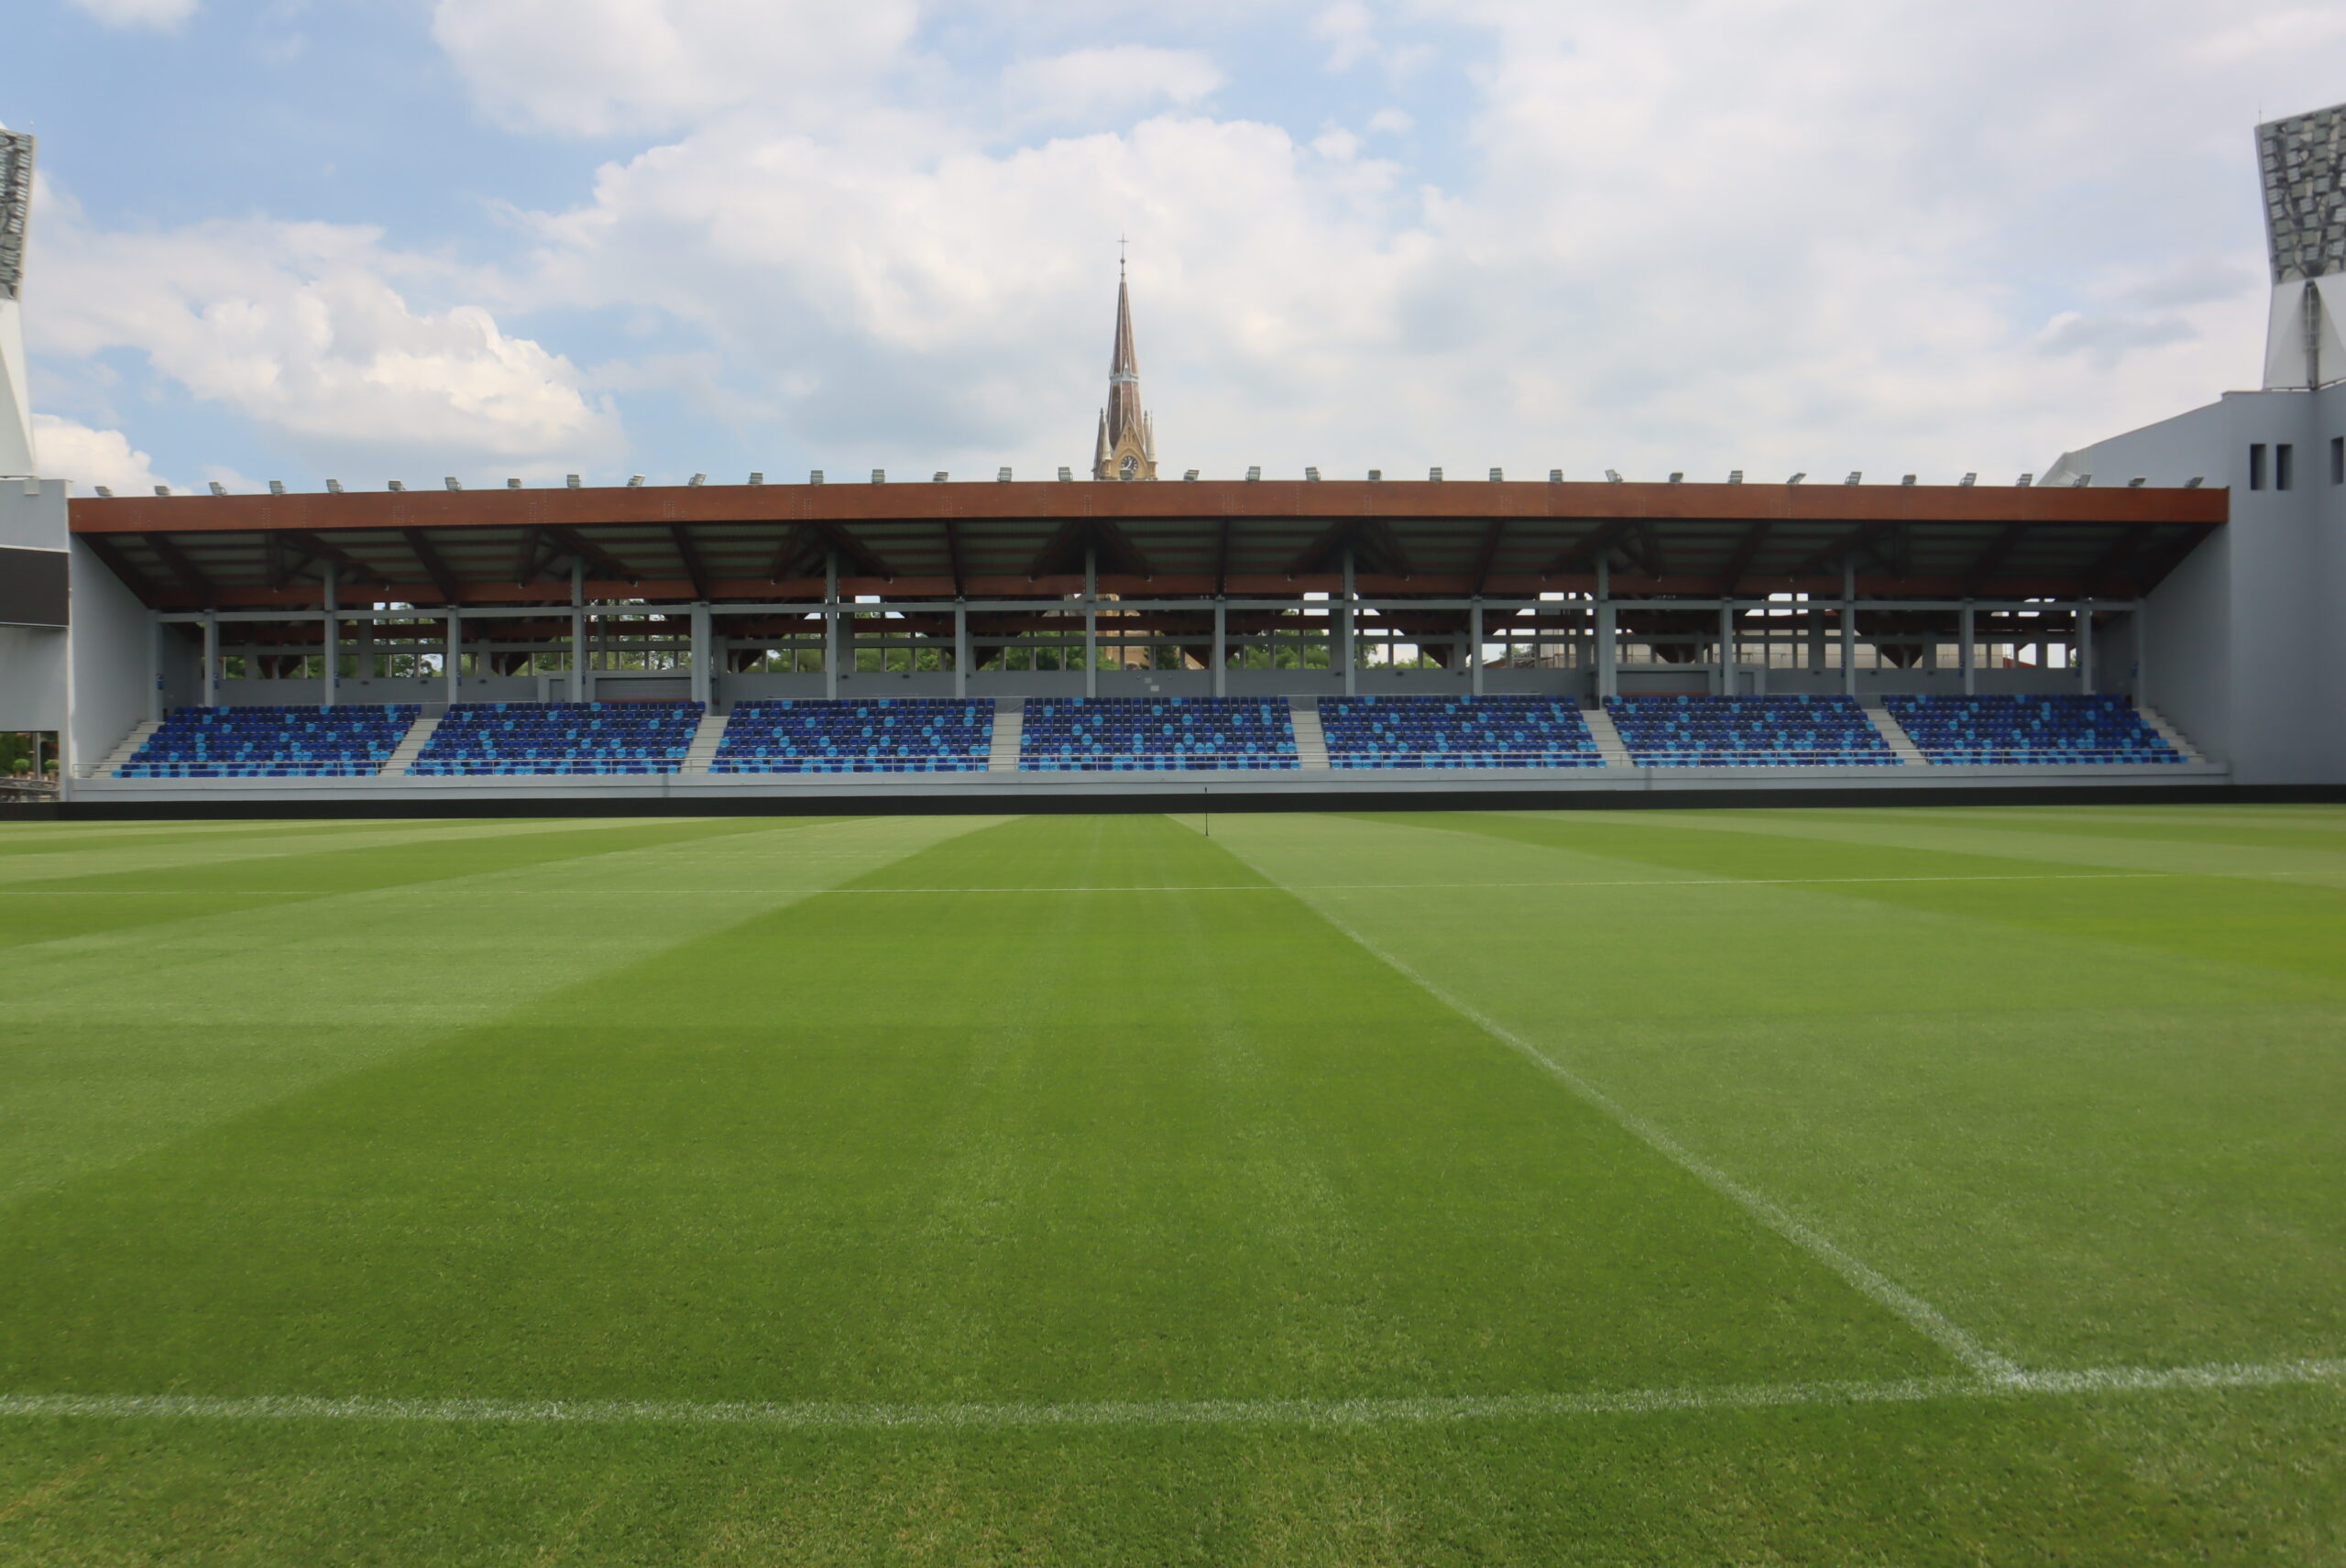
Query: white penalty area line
x,y
823,1416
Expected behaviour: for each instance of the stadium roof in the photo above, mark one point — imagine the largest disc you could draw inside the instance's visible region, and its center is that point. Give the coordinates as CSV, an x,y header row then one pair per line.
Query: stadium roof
x,y
767,542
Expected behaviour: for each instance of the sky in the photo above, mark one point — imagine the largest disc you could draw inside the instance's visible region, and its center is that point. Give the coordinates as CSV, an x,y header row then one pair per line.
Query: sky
x,y
412,239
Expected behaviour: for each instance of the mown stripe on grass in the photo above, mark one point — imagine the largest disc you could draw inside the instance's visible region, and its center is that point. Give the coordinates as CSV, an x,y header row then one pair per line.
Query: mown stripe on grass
x,y
1144,1413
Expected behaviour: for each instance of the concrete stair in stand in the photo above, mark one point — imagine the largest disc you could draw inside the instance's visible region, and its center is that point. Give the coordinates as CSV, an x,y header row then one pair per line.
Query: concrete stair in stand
x,y
1895,732
1009,727
2170,733
410,748
706,738
1608,737
124,752
1311,740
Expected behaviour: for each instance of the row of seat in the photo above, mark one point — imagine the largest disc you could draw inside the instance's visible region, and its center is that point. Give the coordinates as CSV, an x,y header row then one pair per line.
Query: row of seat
x,y
2030,731
1155,734
271,742
1748,732
1456,732
857,735
502,738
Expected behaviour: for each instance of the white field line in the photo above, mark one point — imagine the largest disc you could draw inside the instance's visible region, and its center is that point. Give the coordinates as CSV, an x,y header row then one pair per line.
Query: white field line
x,y
1212,887
817,1415
1924,1318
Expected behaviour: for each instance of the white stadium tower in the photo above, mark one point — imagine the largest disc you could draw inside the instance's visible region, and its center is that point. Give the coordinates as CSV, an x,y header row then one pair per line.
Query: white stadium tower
x,y
15,216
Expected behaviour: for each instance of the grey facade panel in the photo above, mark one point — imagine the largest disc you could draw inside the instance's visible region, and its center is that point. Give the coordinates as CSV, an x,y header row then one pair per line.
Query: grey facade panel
x,y
33,586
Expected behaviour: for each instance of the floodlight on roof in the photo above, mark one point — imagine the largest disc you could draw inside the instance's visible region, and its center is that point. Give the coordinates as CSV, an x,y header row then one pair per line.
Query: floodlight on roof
x,y
937,478
162,489
1312,474
1555,476
757,476
277,487
1497,475
698,479
2026,480
218,488
1433,475
1001,476
512,484
1797,478
105,492
814,475
879,476
333,486
1905,480
1677,476
1377,475
1067,474
1612,476
1856,476
2135,483
1254,472
2082,481
1188,473
1735,475
399,486
635,481
2194,482
1969,480
450,482
570,481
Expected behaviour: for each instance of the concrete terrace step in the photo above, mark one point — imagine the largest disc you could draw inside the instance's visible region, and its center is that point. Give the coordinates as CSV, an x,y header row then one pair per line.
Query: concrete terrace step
x,y
1895,732
706,740
410,748
124,752
1311,740
2170,733
1608,738
1009,728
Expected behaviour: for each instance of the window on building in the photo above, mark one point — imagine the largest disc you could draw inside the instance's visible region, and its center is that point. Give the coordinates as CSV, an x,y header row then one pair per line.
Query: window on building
x,y
2256,466
2284,466
2338,459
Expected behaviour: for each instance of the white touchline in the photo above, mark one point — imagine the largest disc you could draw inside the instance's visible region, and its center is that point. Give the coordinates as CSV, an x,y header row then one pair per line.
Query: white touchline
x,y
820,1415
1926,1319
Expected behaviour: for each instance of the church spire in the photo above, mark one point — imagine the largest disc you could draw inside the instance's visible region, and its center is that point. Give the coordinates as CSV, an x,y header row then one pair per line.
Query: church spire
x,y
1127,446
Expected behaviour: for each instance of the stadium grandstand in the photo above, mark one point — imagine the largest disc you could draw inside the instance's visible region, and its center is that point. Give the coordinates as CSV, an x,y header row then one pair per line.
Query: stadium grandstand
x,y
2152,613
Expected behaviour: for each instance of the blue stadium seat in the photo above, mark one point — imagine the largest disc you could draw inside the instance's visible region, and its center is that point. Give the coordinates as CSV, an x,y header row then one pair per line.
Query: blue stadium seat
x,y
858,735
2029,731
499,738
1749,733
1155,734
271,742
1456,732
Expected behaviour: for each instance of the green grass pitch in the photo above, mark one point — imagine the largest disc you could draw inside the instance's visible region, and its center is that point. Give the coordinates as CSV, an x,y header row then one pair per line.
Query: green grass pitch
x,y
1865,1186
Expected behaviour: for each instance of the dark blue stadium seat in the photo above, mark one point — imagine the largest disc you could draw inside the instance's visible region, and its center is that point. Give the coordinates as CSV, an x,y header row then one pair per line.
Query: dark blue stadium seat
x,y
858,735
1749,733
1155,734
561,737
1456,732
2006,730
271,742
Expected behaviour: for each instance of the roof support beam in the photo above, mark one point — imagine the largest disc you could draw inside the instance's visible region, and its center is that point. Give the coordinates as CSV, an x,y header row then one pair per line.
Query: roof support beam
x,y
1746,552
434,566
1992,560
190,575
1844,547
1488,551
104,548
953,558
1592,545
689,553
2120,551
317,549
594,555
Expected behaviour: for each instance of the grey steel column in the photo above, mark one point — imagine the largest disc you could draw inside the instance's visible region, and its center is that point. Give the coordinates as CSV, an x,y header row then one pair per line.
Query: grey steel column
x,y
1352,657
454,653
577,631
210,659
2085,648
961,648
333,653
831,624
1849,628
1475,646
1608,640
704,688
1090,622
1221,647
1970,662
1726,650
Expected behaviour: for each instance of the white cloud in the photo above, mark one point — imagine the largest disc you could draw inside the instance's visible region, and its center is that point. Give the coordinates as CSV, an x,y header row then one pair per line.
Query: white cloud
x,y
596,67
66,449
1089,83
305,329
163,14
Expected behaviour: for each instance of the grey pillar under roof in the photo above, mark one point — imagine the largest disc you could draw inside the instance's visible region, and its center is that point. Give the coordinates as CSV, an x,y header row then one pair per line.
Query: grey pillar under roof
x,y
1351,597
961,648
453,657
703,648
1090,622
831,624
333,660
1726,649
1609,640
1849,628
577,631
1475,646
2085,649
211,658
1969,631
1220,646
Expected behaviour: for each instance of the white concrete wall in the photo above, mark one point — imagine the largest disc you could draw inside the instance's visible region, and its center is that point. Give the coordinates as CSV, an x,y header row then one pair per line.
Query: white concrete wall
x,y
111,670
33,687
